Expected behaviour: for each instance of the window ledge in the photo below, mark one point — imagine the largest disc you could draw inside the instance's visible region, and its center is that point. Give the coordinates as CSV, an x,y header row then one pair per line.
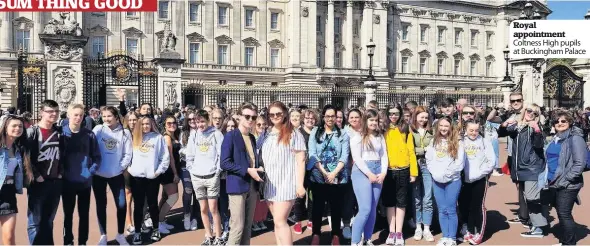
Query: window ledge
x,y
441,44
406,41
424,43
473,47
275,31
161,20
249,28
225,26
131,17
194,24
458,45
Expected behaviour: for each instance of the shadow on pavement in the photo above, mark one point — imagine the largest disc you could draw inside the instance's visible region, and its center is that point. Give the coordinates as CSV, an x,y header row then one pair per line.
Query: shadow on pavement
x,y
496,222
582,231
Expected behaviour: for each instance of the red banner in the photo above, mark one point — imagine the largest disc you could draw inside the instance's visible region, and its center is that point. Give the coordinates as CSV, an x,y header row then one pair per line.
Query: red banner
x,y
79,5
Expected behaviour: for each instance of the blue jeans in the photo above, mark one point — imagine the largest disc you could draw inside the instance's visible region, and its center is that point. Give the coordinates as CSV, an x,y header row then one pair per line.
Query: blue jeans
x,y
446,196
190,204
423,197
117,185
42,206
367,195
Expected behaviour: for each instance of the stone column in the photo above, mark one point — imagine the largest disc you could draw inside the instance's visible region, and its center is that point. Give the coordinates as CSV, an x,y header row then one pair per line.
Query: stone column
x,y
312,34
532,85
236,20
506,90
6,31
366,33
380,37
370,89
348,32
295,33
169,81
263,51
39,20
330,36
209,24
582,67
64,67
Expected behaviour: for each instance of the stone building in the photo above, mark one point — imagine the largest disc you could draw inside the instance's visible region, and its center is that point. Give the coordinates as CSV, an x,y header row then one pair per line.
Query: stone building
x,y
424,49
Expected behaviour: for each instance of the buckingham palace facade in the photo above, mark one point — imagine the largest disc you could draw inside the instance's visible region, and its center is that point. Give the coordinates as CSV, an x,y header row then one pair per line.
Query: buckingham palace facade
x,y
423,48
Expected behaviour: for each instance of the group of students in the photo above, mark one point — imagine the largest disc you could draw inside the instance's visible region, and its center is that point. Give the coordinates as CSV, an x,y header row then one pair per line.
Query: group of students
x,y
298,161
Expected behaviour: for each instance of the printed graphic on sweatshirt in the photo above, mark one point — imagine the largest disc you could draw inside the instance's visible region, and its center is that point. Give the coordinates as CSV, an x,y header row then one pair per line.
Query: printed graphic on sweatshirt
x,y
472,149
441,150
49,153
146,147
110,143
204,144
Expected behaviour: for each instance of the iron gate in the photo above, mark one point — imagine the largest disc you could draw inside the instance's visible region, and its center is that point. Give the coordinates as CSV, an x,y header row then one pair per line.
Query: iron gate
x,y
118,70
563,88
32,83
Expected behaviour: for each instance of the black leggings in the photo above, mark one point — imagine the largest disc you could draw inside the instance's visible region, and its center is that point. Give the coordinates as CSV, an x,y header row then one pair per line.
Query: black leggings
x,y
117,185
472,205
145,189
333,194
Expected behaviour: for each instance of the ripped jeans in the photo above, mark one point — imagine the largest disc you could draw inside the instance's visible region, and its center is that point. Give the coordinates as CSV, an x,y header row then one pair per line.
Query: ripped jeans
x,y
189,201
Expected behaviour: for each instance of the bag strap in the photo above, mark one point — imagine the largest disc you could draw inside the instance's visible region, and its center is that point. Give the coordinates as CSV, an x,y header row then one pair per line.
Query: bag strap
x,y
327,143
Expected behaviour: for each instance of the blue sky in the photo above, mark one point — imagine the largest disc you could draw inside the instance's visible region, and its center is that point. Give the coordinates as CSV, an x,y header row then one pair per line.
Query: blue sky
x,y
568,10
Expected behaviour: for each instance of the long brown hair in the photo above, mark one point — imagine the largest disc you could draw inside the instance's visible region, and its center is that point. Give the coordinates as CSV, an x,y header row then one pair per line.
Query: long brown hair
x,y
20,144
286,128
452,139
138,131
415,125
366,141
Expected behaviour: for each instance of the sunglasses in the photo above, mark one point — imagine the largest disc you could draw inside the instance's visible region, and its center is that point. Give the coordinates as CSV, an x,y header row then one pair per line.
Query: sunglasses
x,y
275,115
516,100
329,116
560,121
530,111
260,125
250,117
393,113
468,113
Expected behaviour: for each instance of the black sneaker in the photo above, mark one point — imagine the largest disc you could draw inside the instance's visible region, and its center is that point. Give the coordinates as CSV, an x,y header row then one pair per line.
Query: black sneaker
x,y
218,242
514,221
156,236
535,232
137,239
208,241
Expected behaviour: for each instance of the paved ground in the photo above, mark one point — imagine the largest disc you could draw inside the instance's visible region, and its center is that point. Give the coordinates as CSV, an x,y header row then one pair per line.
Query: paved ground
x,y
501,203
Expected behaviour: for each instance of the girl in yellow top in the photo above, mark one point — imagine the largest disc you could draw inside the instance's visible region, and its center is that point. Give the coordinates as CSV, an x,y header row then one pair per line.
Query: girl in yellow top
x,y
402,170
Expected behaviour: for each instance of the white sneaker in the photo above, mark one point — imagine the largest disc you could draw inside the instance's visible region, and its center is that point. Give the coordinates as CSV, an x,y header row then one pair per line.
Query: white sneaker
x,y
166,225
347,232
130,230
163,230
148,223
418,233
255,227
497,174
442,242
262,226
187,222
194,225
120,238
103,240
427,234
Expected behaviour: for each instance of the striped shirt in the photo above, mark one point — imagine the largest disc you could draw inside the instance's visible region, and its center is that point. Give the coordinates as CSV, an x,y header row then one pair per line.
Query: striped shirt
x,y
280,165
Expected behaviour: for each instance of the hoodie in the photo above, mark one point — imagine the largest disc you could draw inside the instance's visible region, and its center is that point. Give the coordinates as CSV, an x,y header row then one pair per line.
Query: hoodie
x,y
442,167
480,158
203,152
81,155
115,150
151,158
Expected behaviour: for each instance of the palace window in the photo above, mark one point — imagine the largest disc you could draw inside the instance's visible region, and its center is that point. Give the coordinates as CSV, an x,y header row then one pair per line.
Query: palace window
x,y
132,44
193,12
423,33
488,68
440,66
222,15
274,58
249,56
473,37
249,21
98,46
194,53
274,21
405,65
473,67
222,54
23,39
405,32
422,65
163,10
458,36
489,37
441,35
457,68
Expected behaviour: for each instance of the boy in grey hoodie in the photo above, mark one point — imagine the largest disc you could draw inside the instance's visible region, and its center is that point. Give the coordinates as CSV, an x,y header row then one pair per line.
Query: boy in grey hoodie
x,y
480,160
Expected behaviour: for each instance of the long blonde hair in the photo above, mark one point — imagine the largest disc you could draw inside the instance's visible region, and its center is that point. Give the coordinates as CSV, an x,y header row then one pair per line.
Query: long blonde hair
x,y
452,139
138,131
535,108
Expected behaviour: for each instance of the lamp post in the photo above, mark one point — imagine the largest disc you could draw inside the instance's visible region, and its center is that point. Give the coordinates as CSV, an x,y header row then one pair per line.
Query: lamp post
x,y
370,85
507,85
